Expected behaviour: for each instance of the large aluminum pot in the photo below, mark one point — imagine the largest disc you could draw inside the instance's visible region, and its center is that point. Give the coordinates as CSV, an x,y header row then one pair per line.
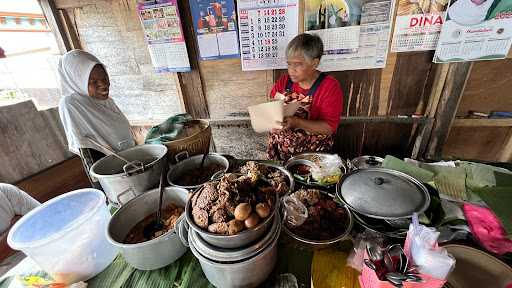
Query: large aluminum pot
x,y
155,253
193,163
235,268
121,187
238,240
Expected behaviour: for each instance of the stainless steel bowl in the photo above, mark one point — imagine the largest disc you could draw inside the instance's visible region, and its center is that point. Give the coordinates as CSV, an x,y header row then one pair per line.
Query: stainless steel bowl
x,y
155,253
325,243
194,163
241,239
308,159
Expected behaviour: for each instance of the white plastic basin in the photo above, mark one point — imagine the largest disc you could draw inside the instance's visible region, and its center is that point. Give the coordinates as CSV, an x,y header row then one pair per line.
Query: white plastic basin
x,y
66,236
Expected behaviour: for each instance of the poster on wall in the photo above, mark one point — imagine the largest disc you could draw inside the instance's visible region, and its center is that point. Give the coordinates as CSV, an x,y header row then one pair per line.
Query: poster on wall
x,y
418,25
376,19
475,30
215,26
265,28
164,35
336,22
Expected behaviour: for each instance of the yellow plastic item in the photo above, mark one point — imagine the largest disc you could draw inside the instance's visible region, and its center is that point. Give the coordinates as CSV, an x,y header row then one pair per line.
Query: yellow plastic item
x,y
329,270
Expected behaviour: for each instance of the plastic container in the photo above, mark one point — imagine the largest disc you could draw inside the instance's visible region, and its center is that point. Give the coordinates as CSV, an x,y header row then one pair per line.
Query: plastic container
x,y
66,236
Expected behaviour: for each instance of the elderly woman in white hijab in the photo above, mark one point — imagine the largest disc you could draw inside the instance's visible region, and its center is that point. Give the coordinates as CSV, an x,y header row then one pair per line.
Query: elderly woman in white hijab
x,y
87,112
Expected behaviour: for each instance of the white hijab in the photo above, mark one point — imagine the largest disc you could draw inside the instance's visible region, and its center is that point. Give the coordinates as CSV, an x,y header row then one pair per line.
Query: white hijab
x,y
85,117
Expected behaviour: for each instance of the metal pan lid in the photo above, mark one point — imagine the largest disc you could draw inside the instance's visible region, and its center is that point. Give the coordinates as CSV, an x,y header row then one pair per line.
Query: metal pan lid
x,y
364,162
383,193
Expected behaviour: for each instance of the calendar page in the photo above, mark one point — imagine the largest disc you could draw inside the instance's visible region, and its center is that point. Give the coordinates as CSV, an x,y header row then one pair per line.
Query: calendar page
x,y
215,27
164,35
418,25
374,37
266,27
335,21
475,30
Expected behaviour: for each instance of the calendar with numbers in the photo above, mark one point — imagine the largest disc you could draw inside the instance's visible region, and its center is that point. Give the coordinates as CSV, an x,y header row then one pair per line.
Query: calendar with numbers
x,y
266,27
374,38
475,31
164,35
418,25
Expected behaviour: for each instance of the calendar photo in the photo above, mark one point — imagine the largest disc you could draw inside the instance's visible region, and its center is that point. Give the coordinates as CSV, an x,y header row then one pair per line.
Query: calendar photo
x,y
335,21
475,30
325,14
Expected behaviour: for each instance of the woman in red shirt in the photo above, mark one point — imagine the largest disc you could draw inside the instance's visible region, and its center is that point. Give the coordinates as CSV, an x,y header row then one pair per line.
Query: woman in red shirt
x,y
312,127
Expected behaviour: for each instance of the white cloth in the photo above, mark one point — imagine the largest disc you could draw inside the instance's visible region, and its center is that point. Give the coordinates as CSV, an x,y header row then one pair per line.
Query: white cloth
x,y
13,202
465,12
86,117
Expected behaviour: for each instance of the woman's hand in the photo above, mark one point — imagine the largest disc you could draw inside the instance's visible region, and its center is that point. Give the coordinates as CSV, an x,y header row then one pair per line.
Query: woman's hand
x,y
291,122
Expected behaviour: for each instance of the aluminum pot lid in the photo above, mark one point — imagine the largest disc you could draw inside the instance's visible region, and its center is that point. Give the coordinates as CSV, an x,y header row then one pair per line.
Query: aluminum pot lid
x,y
224,255
364,162
383,193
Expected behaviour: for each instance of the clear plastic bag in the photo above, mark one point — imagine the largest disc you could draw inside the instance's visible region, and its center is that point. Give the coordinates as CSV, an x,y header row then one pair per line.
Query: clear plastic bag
x,y
328,171
295,213
425,252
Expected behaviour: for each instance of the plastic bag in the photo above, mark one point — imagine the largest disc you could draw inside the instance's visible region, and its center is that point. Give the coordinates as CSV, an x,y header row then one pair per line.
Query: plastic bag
x,y
425,252
295,213
327,171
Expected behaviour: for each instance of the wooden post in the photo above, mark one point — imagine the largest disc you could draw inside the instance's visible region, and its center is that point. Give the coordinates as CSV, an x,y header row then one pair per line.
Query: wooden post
x,y
70,28
191,83
456,79
423,135
54,20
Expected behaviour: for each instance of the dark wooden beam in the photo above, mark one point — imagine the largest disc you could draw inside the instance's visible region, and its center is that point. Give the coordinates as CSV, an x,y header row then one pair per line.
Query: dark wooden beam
x,y
456,79
70,28
54,20
191,83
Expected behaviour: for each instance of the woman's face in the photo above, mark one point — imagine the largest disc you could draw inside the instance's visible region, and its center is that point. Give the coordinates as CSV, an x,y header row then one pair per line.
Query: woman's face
x,y
98,83
300,69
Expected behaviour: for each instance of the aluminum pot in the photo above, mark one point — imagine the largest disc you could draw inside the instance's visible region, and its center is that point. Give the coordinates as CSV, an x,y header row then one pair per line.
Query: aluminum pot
x,y
121,187
240,239
236,268
155,253
193,163
325,243
364,162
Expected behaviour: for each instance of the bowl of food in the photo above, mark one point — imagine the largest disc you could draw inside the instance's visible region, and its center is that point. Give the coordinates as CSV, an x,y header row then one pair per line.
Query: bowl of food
x,y
324,221
280,178
316,169
126,229
188,173
233,211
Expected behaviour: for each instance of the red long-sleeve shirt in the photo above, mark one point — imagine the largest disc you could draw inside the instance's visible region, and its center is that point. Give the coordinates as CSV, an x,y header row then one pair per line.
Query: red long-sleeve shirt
x,y
327,101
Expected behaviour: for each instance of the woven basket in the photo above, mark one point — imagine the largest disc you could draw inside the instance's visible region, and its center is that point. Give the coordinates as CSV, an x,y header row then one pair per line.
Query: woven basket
x,y
194,139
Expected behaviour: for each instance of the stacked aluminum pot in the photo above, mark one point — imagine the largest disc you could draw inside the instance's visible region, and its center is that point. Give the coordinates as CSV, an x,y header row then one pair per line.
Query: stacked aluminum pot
x,y
245,259
229,260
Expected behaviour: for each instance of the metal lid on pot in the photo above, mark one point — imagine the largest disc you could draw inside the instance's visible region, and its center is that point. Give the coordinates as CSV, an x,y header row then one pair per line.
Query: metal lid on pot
x,y
383,193
224,255
364,162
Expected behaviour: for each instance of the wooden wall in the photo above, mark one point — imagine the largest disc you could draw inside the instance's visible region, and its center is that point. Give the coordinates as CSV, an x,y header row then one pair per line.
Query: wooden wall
x,y
488,89
375,102
32,141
